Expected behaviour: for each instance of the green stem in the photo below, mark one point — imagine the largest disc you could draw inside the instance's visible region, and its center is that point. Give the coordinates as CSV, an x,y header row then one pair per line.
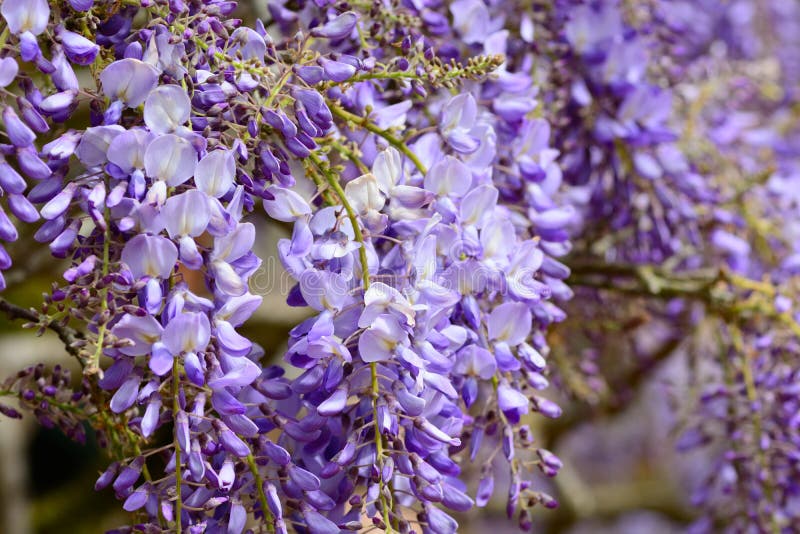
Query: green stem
x,y
262,497
273,93
94,363
351,214
395,75
512,464
365,123
351,155
176,407
322,185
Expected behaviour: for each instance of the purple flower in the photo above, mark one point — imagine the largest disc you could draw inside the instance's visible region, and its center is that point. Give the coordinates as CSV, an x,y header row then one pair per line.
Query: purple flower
x,y
215,173
129,80
381,340
31,164
186,214
391,116
227,250
187,332
458,119
167,109
63,76
318,523
81,5
26,15
736,249
8,71
78,48
428,286
249,43
381,298
365,197
477,204
336,71
170,158
341,26
10,180
22,208
136,500
59,203
242,372
57,103
7,230
547,407
511,400
106,477
126,150
286,205
18,132
95,143
310,74
238,519
510,323
151,415
147,255
334,404
485,491
448,177
142,333
439,522
29,49
476,361
126,395
591,27
231,442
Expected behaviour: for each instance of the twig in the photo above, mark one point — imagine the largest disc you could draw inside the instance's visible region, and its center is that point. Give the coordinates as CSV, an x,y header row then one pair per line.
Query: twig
x,y
704,285
68,336
365,123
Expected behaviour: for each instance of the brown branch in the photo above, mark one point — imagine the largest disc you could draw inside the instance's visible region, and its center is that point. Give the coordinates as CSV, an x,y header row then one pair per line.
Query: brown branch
x,y
645,280
70,337
704,285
